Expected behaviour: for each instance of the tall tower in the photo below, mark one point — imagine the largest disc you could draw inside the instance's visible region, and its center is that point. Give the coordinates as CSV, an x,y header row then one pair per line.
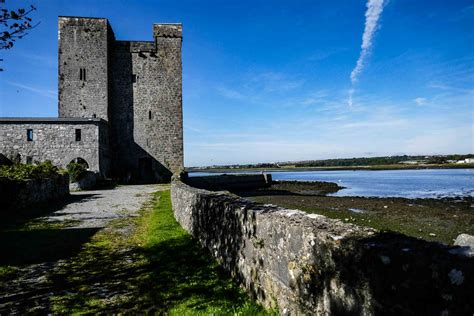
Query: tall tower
x,y
83,65
146,111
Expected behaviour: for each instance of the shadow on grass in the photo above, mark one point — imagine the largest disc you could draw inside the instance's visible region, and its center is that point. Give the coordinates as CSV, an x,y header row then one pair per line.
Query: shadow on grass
x,y
41,245
183,271
173,275
13,218
116,274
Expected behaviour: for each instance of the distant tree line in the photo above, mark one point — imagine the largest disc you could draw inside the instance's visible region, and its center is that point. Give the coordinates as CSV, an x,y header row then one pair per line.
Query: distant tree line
x,y
377,161
352,162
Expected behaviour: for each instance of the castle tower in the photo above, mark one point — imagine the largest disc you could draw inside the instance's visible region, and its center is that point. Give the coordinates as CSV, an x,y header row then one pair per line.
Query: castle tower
x,y
83,66
135,86
146,105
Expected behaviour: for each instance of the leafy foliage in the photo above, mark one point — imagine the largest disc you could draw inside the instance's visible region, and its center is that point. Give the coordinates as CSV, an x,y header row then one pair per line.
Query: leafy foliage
x,y
14,25
22,172
76,171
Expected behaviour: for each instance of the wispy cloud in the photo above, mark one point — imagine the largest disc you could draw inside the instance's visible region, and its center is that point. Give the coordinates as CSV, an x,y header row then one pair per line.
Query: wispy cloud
x,y
230,93
37,59
372,15
52,94
276,82
420,101
261,87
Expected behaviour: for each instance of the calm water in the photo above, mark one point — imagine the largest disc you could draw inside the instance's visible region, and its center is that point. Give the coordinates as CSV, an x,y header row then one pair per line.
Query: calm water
x,y
427,183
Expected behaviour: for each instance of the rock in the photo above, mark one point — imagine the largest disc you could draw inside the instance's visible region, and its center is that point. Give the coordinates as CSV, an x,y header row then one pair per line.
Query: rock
x,y
466,245
85,183
464,240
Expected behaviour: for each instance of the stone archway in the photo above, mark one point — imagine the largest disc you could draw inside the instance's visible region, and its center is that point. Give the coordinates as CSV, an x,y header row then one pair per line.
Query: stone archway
x,y
81,161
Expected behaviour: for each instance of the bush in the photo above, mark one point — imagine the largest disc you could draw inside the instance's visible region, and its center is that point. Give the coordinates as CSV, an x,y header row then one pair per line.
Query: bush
x,y
22,172
76,171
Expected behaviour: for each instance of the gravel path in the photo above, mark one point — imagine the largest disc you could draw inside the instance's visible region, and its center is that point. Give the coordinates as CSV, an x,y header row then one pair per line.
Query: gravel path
x,y
94,209
29,287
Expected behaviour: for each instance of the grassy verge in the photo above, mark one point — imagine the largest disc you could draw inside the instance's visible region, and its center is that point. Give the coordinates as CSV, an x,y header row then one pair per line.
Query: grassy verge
x,y
148,265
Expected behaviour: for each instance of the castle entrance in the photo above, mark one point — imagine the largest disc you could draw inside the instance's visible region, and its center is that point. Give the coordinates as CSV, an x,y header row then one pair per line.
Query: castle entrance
x,y
145,170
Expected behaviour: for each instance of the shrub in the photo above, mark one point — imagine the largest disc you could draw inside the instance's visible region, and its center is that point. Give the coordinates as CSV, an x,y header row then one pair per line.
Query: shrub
x,y
76,171
22,172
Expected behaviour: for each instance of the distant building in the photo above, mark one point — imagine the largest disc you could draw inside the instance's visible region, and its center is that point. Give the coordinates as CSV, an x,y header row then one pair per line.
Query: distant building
x,y
467,160
120,105
409,162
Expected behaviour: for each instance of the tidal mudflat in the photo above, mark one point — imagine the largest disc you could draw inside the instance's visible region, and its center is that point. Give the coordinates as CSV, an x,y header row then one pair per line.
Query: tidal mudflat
x,y
441,219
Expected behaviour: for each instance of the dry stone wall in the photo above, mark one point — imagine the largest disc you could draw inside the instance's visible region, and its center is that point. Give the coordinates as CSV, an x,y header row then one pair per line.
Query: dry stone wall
x,y
231,182
16,194
309,264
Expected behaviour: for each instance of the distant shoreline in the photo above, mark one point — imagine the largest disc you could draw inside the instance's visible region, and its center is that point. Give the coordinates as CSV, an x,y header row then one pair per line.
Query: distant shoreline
x,y
372,168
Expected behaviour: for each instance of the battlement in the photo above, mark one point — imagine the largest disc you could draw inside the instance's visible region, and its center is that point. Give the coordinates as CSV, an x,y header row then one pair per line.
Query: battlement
x,y
170,30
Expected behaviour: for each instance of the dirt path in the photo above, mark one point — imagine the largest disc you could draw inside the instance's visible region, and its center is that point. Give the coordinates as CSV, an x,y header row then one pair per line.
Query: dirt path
x,y
94,209
33,251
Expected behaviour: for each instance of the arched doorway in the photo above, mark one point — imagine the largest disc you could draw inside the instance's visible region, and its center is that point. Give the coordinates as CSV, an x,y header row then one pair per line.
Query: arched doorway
x,y
80,161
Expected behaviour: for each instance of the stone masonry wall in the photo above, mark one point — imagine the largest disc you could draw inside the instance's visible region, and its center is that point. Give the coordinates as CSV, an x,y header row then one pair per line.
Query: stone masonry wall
x,y
55,141
309,264
83,43
146,103
231,182
15,194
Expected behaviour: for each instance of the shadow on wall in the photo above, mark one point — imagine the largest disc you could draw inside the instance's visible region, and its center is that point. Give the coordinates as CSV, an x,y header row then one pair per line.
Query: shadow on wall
x,y
4,161
309,264
133,164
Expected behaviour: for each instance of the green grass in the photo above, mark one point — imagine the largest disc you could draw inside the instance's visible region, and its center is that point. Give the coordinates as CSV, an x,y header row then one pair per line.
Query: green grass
x,y
199,285
142,265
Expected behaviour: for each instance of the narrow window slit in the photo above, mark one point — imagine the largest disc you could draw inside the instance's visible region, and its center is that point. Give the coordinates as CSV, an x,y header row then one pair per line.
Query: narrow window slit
x,y
78,135
29,135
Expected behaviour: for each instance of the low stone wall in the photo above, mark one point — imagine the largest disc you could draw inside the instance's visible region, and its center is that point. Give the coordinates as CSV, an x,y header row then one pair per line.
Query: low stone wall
x,y
231,182
309,264
16,194
87,182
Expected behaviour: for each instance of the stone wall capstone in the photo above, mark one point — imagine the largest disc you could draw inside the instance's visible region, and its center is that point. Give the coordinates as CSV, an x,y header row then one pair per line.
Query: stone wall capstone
x,y
309,264
230,182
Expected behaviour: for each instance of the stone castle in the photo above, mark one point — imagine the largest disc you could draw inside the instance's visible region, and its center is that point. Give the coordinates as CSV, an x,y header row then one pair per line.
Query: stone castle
x,y
120,105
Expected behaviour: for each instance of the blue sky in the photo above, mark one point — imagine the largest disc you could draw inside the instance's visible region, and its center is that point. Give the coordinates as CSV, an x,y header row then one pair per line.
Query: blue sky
x,y
270,81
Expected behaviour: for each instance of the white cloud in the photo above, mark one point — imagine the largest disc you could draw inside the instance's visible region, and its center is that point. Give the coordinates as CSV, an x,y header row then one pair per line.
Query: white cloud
x,y
372,15
351,94
420,101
